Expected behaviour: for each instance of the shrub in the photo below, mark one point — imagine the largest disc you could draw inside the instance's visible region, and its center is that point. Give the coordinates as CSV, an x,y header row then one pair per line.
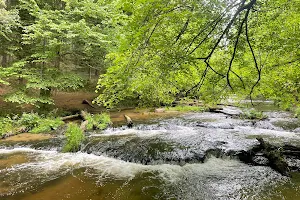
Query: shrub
x,y
297,112
30,120
33,122
74,138
98,121
253,114
39,124
46,125
6,125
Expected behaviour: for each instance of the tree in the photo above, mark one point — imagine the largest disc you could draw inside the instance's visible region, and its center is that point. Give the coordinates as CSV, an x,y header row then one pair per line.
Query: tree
x,y
203,49
59,38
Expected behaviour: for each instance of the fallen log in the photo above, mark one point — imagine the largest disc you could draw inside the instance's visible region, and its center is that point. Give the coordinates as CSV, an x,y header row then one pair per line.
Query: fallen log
x,y
88,102
128,121
83,125
220,110
85,122
70,117
83,115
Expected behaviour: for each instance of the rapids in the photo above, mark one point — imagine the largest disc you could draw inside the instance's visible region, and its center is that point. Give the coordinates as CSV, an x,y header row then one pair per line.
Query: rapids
x,y
191,156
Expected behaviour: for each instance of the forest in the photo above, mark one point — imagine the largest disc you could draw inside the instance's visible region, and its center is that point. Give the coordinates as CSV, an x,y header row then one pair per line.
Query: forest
x,y
151,52
75,70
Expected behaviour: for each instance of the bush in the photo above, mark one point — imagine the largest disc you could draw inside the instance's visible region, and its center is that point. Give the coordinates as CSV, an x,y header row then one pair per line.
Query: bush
x,y
74,138
297,112
98,121
253,114
33,122
6,125
39,124
30,120
47,125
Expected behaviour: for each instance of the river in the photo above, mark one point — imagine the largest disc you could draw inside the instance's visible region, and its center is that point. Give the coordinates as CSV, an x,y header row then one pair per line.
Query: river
x,y
190,156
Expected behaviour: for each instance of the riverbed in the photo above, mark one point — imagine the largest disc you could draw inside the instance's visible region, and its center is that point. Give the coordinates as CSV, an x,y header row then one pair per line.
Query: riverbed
x,y
188,156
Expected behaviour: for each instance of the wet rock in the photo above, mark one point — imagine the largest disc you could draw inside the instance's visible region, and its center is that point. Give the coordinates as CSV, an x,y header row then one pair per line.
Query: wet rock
x,y
260,160
297,130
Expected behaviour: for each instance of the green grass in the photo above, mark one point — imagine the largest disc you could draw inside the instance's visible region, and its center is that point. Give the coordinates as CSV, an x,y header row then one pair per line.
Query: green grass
x,y
98,121
75,137
253,114
187,108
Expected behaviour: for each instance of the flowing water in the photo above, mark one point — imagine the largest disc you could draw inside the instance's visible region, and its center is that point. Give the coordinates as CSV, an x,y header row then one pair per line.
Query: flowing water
x,y
184,157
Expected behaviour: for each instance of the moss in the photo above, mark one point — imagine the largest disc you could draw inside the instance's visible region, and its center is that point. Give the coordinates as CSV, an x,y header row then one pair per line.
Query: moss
x,y
75,137
98,121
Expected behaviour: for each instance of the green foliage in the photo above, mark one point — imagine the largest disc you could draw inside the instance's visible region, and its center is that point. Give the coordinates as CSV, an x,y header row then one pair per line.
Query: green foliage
x,y
39,124
253,114
74,138
6,125
187,108
33,122
54,41
47,125
297,112
152,52
98,121
162,53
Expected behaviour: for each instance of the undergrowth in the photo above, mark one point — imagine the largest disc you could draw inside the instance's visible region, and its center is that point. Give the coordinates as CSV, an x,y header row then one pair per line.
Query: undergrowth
x,y
98,121
32,122
75,137
297,112
253,114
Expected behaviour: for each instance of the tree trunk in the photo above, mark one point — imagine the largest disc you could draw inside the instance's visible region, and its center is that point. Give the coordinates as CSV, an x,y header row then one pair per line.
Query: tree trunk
x,y
4,60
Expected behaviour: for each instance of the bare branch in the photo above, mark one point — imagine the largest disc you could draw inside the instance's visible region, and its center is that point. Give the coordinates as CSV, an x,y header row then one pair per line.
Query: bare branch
x,y
255,62
182,30
234,52
216,21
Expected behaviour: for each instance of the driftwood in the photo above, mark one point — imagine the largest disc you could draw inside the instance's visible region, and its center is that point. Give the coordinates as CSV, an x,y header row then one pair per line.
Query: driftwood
x,y
88,102
85,122
220,110
128,121
22,129
83,125
81,116
71,117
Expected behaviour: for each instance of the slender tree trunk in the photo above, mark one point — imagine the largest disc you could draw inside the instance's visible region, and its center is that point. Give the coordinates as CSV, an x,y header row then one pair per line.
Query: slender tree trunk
x,y
90,74
4,60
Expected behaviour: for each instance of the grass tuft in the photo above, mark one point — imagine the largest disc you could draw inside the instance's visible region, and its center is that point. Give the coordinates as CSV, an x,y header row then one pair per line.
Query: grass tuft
x,y
75,137
253,114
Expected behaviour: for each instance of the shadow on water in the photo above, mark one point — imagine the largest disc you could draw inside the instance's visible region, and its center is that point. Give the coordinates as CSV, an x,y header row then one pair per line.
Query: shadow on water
x,y
79,185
